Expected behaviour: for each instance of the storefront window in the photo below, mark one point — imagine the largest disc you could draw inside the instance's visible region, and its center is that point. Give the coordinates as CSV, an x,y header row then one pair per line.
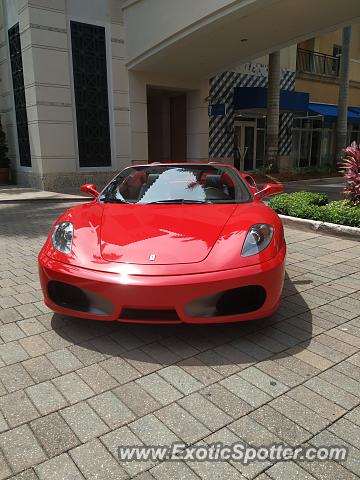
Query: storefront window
x,y
313,142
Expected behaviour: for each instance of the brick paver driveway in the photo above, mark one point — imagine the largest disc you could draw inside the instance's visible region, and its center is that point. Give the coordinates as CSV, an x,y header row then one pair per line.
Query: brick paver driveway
x,y
72,391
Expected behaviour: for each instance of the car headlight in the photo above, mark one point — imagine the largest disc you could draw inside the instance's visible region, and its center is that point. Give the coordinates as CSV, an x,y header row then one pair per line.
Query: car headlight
x,y
62,237
257,239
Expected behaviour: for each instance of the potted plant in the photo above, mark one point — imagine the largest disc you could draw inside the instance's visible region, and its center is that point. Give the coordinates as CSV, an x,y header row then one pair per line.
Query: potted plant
x,y
4,161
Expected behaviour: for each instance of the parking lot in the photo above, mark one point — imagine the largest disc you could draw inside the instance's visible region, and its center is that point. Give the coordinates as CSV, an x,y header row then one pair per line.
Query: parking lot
x,y
73,391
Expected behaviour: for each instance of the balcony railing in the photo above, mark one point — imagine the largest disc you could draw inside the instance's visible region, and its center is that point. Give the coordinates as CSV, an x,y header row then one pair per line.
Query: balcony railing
x,y
318,63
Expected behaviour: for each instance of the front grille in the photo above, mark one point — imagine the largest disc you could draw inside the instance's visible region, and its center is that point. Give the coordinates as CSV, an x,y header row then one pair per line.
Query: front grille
x,y
78,299
149,315
236,301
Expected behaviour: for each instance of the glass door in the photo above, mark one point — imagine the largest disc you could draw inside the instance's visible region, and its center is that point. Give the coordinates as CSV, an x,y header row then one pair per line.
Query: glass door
x,y
246,132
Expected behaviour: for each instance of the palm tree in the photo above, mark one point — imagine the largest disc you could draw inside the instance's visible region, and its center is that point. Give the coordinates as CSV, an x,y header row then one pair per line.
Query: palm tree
x,y
273,101
341,128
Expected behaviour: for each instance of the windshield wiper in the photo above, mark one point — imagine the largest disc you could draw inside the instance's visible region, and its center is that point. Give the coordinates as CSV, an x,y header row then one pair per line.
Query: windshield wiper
x,y
178,200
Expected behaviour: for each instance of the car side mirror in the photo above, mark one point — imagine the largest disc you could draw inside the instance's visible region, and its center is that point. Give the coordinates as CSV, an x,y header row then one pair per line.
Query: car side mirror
x,y
89,189
269,189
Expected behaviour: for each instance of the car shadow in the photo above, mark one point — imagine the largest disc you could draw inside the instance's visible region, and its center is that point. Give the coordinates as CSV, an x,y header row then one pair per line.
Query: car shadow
x,y
288,331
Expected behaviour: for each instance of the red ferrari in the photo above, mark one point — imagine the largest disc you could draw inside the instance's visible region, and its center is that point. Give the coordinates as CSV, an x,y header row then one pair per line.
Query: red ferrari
x,y
167,243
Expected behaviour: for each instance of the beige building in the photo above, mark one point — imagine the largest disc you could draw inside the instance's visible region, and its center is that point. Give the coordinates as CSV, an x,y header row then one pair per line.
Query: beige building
x,y
318,66
90,86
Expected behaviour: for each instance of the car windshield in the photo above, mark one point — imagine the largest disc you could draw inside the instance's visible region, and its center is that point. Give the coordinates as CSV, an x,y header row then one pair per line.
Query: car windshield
x,y
177,184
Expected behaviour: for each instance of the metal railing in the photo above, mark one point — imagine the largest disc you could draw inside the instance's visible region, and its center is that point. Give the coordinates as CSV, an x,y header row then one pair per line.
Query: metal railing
x,y
318,63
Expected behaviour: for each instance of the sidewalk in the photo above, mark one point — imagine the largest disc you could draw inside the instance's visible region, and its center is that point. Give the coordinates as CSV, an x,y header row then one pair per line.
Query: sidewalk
x,y
15,194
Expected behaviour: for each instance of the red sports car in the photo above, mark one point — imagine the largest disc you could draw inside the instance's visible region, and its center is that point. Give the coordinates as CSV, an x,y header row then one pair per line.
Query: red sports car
x,y
167,243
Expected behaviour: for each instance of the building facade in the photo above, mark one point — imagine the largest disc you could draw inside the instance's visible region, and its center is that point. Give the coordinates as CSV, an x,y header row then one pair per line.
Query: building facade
x,y
74,110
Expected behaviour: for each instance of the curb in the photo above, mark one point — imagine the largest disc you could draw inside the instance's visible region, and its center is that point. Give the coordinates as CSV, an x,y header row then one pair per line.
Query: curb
x,y
352,233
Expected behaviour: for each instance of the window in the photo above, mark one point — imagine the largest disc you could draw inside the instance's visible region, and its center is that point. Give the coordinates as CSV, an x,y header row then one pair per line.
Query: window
x,y
91,94
313,142
177,184
19,96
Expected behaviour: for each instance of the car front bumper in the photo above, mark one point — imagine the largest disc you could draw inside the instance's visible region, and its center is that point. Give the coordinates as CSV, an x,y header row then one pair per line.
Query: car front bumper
x,y
107,296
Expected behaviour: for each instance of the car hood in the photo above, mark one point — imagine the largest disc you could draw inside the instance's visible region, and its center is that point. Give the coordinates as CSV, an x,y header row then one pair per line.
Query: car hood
x,y
161,234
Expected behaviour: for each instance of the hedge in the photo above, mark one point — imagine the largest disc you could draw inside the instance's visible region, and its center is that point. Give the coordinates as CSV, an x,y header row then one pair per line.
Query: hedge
x,y
316,206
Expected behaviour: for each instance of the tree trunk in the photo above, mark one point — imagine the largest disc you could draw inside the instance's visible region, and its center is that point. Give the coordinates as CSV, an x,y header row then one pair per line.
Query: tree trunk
x,y
273,101
341,128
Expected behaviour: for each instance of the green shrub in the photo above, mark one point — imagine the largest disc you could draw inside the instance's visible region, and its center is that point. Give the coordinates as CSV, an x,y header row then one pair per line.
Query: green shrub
x,y
315,206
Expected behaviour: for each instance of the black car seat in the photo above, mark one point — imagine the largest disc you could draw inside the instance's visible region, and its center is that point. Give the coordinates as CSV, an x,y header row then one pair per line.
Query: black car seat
x,y
214,189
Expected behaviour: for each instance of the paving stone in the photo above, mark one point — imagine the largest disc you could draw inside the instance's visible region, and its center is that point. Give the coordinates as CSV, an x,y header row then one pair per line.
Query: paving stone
x,y
59,468
55,340
46,398
121,370
307,356
343,381
97,378
21,448
263,381
27,310
142,362
86,354
348,369
160,353
229,438
15,377
31,326
280,425
10,332
316,402
136,399
64,361
299,414
218,363
215,470
184,425
112,410
328,470
9,315
149,429
181,380
179,347
35,345
226,400
205,411
5,471
251,348
26,475
195,367
84,422
252,433
354,416
332,392
17,409
159,389
123,437
246,391
40,368
73,388
328,439
280,373
173,471
12,353
290,471
95,462
54,435
343,428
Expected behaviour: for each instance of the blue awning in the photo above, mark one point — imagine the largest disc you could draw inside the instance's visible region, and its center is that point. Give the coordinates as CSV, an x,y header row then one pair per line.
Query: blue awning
x,y
330,112
255,98
355,110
